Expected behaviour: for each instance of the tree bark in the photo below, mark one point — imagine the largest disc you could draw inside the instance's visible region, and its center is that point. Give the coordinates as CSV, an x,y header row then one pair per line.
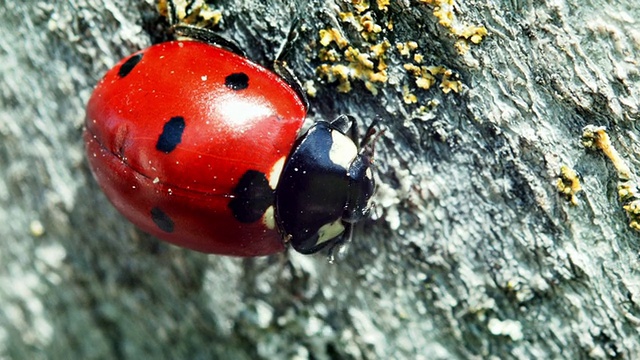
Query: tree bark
x,y
474,250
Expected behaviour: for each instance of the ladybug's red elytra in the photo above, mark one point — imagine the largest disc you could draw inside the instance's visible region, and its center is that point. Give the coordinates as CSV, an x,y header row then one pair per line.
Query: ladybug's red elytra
x,y
199,146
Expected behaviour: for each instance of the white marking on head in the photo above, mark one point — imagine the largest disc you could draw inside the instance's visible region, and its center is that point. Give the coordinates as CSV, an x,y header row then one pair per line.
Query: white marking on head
x,y
343,150
330,231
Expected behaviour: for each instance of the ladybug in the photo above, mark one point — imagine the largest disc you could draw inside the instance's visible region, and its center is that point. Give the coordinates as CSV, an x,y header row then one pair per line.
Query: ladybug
x,y
200,147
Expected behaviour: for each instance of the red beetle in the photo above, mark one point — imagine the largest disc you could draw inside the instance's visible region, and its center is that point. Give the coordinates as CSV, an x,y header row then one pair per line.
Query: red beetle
x,y
191,141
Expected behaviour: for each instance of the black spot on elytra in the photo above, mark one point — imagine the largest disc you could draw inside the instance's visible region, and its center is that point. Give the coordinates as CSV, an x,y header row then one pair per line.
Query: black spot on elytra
x,y
237,81
128,65
161,219
252,197
171,134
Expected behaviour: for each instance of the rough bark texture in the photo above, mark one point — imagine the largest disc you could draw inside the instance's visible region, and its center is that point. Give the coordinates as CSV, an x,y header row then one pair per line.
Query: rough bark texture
x,y
472,253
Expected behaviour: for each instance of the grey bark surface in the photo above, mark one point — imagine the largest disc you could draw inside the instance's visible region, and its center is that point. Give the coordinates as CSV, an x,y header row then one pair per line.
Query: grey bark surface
x,y
472,253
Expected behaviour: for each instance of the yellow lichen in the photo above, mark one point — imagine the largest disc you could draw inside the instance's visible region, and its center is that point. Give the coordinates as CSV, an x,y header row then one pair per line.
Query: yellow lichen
x,y
409,97
425,82
366,63
337,72
344,63
413,69
595,137
198,12
445,14
344,87
449,83
461,46
361,60
309,88
569,184
360,5
426,77
369,66
406,48
347,17
327,36
379,49
329,55
473,33
383,4
444,11
369,26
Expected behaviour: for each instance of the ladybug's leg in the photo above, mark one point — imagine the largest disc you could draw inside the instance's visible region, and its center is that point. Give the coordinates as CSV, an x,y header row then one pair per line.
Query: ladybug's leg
x,y
287,45
208,36
367,145
372,134
280,65
171,12
340,242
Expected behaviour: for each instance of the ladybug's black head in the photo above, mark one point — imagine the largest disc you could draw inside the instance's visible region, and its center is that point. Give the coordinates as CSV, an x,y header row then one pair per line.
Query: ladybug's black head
x,y
325,187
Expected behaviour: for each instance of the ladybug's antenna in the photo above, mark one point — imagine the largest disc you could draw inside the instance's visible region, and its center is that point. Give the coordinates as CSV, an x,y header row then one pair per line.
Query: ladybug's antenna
x,y
280,67
171,13
371,136
292,36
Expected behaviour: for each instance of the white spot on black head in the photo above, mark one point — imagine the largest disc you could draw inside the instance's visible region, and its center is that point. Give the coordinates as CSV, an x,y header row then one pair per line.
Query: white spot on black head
x,y
343,150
